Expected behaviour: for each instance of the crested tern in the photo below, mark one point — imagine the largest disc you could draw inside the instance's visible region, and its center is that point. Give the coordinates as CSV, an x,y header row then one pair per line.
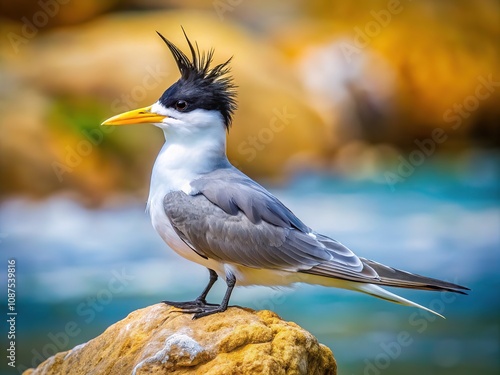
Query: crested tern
x,y
211,213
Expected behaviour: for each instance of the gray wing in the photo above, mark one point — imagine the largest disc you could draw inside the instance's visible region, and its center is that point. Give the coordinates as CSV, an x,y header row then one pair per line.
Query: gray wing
x,y
233,219
234,238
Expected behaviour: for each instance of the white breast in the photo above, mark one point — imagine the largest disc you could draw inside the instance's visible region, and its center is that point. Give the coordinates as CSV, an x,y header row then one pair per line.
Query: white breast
x,y
164,228
162,225
166,177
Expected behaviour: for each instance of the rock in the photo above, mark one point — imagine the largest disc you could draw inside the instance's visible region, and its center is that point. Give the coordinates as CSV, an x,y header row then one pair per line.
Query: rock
x,y
85,74
39,15
160,340
390,90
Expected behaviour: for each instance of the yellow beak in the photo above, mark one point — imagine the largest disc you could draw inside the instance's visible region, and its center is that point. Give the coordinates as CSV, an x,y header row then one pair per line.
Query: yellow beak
x,y
137,116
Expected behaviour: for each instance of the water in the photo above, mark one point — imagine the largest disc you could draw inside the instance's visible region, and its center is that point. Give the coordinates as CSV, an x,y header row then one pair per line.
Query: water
x,y
80,270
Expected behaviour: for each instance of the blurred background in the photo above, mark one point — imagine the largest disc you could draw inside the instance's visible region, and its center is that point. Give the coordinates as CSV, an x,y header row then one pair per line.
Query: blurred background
x,y
376,122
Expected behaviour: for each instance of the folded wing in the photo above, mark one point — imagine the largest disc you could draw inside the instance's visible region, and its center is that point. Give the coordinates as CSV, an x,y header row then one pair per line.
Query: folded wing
x,y
231,218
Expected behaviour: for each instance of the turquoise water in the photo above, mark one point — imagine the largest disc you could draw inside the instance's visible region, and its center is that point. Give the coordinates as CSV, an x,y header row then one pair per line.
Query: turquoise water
x,y
80,270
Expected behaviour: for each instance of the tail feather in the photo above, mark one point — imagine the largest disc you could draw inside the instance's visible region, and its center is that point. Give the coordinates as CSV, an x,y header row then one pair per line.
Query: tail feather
x,y
393,277
376,291
372,274
377,273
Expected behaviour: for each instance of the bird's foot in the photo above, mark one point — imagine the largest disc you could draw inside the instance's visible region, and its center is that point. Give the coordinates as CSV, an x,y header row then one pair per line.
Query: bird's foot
x,y
200,312
198,303
199,307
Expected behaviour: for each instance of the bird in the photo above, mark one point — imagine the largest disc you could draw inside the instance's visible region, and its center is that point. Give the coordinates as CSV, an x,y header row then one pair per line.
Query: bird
x,y
211,213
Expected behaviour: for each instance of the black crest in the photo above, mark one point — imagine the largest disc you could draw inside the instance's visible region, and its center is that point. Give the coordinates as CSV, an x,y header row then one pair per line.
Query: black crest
x,y
200,86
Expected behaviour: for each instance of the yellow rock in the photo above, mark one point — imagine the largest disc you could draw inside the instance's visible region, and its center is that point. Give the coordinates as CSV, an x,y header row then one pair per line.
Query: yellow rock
x,y
160,340
39,15
437,72
83,75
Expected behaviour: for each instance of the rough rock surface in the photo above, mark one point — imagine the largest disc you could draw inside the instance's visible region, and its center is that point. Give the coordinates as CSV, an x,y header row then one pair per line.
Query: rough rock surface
x,y
160,340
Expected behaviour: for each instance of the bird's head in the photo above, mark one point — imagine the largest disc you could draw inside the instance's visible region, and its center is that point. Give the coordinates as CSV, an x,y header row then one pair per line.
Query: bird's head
x,y
203,98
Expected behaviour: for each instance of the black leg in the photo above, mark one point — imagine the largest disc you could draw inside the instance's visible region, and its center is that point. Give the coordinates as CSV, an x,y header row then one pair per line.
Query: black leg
x,y
201,300
211,282
209,310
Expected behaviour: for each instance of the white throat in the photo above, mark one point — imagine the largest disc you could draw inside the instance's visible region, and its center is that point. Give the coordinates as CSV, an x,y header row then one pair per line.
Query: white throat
x,y
186,156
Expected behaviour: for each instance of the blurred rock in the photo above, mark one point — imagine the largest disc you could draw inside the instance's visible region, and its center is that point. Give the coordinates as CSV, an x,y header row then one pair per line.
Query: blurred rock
x,y
357,93
118,63
159,340
36,15
393,71
320,78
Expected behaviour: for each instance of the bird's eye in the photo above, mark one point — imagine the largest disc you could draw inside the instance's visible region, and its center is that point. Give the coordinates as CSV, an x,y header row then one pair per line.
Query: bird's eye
x,y
180,105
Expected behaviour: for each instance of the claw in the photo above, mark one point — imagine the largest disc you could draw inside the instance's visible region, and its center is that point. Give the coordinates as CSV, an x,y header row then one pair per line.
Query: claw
x,y
196,304
200,307
197,307
209,311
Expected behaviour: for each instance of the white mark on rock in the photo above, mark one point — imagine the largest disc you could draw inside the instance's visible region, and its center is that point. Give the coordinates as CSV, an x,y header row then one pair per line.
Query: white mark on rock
x,y
75,349
185,344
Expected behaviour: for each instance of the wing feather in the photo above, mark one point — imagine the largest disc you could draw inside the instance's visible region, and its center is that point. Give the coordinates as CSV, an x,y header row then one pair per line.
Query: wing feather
x,y
231,218
215,234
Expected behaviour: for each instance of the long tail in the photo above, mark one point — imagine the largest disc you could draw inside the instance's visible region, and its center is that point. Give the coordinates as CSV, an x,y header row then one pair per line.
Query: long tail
x,y
389,276
376,291
374,274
